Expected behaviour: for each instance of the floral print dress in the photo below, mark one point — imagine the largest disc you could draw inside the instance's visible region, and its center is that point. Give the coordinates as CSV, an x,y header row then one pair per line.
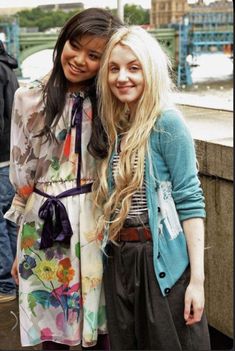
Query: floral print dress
x,y
60,287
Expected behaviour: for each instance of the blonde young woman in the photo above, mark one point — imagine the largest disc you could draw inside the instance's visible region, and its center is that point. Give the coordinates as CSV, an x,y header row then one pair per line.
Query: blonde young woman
x,y
153,206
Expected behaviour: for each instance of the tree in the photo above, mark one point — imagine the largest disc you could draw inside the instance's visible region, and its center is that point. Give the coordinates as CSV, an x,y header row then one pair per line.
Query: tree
x,y
43,19
134,14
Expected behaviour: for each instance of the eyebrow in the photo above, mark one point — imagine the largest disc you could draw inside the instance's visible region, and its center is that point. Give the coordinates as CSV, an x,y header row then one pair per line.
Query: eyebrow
x,y
114,63
96,52
77,42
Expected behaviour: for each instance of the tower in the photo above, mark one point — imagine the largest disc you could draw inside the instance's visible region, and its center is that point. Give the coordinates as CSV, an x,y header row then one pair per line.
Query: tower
x,y
166,12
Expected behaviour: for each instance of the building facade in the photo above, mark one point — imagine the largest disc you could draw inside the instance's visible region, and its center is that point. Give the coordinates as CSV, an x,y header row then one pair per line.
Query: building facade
x,y
216,14
165,12
66,7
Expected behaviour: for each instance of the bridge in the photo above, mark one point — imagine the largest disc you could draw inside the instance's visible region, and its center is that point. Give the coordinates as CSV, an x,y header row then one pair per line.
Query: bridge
x,y
31,43
200,33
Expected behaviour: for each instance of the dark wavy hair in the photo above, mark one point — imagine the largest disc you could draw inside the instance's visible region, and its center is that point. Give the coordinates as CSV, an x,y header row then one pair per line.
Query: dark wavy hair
x,y
95,22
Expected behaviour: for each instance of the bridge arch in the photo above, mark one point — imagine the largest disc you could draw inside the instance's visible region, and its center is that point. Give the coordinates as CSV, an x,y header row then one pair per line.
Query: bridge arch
x,y
33,49
31,43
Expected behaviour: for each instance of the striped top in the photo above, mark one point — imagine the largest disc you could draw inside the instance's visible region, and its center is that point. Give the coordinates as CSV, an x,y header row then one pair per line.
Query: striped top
x,y
138,202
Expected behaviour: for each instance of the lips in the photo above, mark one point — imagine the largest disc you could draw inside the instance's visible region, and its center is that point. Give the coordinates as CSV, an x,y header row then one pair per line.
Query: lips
x,y
125,88
74,69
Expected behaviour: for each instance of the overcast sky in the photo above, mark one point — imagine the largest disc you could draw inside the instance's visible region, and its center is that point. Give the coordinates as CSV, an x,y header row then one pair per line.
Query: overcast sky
x,y
87,3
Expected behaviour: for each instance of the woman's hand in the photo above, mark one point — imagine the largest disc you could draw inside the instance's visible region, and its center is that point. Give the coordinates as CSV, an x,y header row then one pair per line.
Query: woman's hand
x,y
14,271
194,303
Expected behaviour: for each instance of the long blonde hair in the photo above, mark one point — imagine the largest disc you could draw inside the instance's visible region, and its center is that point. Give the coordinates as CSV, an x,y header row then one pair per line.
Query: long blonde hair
x,y
155,97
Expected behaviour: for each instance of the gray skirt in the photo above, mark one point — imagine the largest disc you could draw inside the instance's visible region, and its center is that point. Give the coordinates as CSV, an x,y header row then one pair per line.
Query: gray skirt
x,y
139,317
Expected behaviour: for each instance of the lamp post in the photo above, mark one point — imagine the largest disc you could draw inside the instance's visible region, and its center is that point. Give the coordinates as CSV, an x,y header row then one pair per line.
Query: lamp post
x,y
120,9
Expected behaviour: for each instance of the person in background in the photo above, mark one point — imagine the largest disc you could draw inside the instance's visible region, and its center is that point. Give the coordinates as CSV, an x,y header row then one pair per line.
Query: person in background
x,y
8,86
151,228
59,264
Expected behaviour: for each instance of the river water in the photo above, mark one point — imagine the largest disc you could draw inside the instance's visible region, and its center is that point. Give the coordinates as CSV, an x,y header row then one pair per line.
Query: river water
x,y
212,79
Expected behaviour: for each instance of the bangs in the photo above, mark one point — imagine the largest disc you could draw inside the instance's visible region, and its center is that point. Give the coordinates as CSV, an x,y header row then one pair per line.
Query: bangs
x,y
78,31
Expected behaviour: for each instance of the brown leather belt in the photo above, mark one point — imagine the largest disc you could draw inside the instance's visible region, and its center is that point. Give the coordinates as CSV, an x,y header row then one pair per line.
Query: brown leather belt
x,y
135,234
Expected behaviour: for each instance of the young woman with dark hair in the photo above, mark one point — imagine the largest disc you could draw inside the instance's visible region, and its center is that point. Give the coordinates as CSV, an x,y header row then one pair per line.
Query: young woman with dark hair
x,y
59,265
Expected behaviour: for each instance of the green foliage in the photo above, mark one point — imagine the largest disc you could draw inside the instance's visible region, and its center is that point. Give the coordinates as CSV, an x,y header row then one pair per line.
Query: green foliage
x,y
43,19
134,14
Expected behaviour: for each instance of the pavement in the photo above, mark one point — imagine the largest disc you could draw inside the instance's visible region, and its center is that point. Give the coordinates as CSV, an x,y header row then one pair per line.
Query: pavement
x,y
209,124
213,94
10,334
9,327
10,331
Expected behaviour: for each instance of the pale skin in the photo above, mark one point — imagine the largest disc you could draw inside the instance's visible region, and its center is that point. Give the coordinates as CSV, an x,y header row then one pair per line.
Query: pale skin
x,y
194,295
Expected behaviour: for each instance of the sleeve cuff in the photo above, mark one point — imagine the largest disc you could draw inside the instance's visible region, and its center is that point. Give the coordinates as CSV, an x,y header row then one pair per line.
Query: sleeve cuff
x,y
192,214
14,215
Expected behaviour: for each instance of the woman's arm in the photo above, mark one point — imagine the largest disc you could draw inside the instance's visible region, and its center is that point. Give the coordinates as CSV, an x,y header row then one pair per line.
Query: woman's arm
x,y
177,149
194,296
25,148
14,271
14,268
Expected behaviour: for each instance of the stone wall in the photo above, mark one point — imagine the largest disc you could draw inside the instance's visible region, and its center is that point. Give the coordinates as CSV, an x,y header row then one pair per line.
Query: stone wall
x,y
215,165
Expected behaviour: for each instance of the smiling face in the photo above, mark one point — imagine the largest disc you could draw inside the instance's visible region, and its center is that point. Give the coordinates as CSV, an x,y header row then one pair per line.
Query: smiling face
x,y
125,75
80,60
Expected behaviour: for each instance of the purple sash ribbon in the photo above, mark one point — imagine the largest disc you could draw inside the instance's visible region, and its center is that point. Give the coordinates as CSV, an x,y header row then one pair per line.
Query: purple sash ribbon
x,y
57,227
77,122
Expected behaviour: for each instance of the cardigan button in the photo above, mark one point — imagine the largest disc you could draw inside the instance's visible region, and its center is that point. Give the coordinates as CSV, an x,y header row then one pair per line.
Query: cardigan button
x,y
159,255
162,274
158,209
167,291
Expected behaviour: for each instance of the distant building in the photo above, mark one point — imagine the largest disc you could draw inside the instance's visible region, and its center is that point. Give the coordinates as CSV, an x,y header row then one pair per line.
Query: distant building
x,y
217,6
218,13
66,7
165,12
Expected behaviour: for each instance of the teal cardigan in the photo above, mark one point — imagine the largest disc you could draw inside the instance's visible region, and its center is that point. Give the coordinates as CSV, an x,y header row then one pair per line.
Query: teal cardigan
x,y
173,194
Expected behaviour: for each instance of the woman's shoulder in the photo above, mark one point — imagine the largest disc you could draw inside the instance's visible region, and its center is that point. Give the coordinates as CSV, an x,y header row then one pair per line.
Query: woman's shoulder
x,y
171,118
30,89
28,110
170,125
29,97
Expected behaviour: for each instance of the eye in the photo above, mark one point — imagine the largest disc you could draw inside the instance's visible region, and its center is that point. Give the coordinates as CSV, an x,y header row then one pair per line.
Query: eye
x,y
94,57
134,68
74,45
113,69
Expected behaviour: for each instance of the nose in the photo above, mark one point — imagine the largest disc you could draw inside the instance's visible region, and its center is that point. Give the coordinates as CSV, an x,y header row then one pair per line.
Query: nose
x,y
80,59
122,76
